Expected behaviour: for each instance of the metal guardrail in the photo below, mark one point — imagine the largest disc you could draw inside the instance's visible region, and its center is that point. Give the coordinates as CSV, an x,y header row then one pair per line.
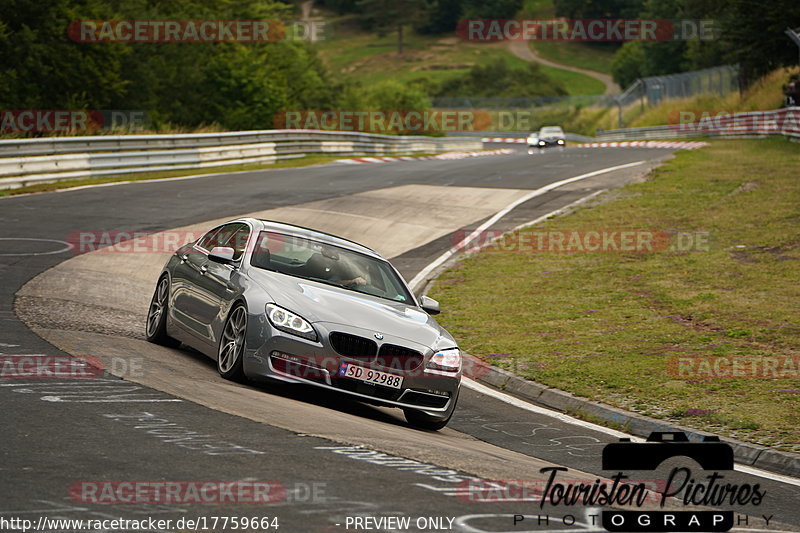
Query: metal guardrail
x,y
784,122
27,161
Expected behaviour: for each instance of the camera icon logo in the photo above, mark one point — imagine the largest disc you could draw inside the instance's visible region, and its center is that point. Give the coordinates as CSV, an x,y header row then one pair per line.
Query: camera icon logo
x,y
710,454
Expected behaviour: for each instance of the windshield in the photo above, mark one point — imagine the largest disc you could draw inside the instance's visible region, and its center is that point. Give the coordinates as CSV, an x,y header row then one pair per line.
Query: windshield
x,y
332,265
551,131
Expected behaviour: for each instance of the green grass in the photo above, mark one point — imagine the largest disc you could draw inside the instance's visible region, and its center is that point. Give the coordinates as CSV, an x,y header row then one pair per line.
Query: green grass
x,y
606,325
581,55
575,82
369,59
765,94
537,9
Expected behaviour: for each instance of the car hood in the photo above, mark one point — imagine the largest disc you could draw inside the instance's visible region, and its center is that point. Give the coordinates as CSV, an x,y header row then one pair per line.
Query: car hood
x,y
318,302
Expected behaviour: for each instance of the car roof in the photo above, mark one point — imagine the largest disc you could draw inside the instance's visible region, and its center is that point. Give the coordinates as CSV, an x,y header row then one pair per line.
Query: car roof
x,y
311,234
552,128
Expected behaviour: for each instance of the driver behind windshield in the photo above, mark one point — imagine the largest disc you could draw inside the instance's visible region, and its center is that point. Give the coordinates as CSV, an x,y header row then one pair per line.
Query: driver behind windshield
x,y
329,266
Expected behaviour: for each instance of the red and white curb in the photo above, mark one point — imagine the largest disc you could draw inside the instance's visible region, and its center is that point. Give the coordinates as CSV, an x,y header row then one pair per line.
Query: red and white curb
x,y
522,140
680,145
445,156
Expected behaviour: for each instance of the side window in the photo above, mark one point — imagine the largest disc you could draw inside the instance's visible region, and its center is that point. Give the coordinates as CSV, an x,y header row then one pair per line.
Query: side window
x,y
238,240
207,241
231,235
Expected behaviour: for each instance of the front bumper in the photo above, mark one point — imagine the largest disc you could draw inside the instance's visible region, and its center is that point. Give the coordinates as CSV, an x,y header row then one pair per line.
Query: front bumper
x,y
292,359
551,144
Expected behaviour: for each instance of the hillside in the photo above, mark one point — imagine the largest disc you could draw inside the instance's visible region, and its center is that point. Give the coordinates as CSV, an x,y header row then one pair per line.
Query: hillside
x,y
352,54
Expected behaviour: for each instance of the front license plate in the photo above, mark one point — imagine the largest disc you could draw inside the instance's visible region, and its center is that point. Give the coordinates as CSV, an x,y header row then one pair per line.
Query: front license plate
x,y
369,375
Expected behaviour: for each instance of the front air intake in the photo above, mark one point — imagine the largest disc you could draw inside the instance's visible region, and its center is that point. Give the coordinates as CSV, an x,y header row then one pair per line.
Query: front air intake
x,y
353,346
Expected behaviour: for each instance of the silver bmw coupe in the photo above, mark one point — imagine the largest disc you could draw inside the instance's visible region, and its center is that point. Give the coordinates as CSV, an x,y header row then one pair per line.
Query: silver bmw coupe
x,y
283,302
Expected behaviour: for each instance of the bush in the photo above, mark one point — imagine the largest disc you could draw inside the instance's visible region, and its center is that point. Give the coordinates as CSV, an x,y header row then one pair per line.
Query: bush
x,y
501,80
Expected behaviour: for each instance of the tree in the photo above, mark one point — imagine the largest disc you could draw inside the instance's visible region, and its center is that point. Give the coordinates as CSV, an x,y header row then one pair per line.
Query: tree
x,y
495,9
498,79
394,96
628,63
663,57
235,85
392,15
592,9
442,16
748,33
752,36
42,69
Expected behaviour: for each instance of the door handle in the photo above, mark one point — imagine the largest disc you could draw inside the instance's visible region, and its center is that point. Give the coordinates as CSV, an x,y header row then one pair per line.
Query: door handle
x,y
203,269
184,258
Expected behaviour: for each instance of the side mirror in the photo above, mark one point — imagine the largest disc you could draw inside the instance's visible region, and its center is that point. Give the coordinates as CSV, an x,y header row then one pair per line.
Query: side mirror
x,y
429,305
221,254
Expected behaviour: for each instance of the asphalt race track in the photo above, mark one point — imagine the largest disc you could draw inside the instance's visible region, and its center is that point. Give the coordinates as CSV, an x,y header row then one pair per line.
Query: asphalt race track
x,y
329,459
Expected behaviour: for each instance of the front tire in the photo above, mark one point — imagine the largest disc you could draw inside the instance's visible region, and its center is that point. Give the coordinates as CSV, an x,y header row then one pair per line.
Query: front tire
x,y
230,354
420,420
156,326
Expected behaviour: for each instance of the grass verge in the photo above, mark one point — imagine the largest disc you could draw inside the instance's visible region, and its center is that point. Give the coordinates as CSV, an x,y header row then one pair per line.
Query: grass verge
x,y
612,326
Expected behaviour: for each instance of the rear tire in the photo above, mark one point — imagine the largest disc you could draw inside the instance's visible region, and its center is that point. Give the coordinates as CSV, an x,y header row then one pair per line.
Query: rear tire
x,y
420,420
156,325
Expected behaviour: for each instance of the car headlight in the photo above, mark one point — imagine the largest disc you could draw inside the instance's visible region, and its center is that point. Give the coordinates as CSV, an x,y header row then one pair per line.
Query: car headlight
x,y
289,322
448,360
561,141
541,143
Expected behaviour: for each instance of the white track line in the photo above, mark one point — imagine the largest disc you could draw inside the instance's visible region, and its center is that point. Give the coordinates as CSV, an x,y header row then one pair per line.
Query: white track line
x,y
522,404
560,210
420,277
767,475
